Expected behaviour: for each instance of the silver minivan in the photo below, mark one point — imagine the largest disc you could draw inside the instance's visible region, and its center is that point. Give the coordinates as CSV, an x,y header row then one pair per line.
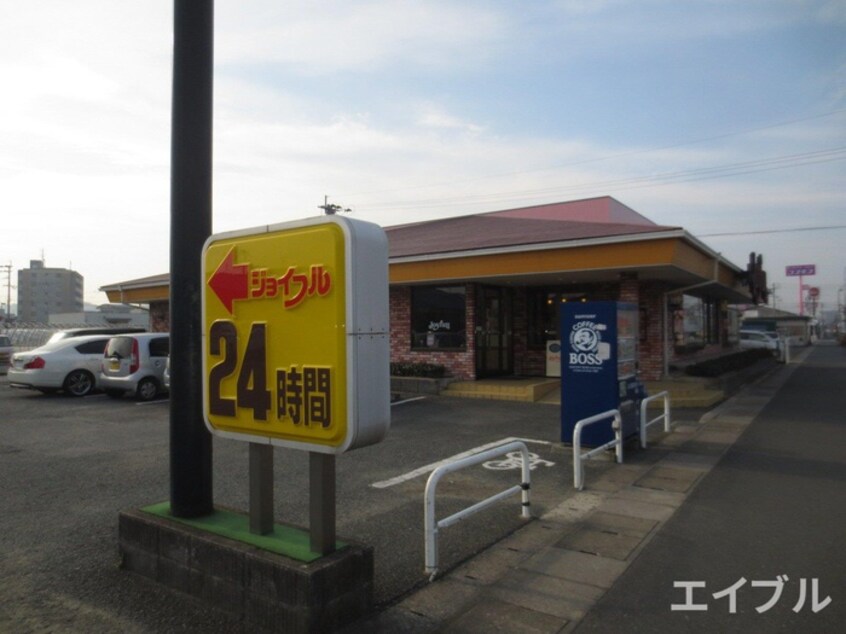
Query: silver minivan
x,y
134,364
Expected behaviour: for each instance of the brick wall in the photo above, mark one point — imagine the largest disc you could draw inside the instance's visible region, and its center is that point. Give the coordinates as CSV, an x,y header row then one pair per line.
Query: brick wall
x,y
629,288
648,297
460,364
160,316
651,344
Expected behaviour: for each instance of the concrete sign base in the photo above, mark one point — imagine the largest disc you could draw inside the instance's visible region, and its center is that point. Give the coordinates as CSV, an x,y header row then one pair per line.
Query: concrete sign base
x,y
265,589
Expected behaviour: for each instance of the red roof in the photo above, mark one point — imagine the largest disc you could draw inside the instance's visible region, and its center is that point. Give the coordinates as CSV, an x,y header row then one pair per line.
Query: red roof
x,y
560,222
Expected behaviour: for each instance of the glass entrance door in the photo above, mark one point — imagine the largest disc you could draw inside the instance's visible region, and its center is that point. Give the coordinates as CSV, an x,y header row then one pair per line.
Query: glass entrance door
x,y
494,350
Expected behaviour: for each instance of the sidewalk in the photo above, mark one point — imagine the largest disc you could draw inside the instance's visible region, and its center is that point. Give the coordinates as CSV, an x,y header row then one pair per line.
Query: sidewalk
x,y
557,572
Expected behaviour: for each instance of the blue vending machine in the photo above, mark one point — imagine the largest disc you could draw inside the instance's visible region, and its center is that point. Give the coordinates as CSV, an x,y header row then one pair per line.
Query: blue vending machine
x,y
599,368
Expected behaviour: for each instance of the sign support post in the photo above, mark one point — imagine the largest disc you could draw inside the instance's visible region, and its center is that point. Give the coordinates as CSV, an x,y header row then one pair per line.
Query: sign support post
x,y
800,271
261,488
190,225
801,295
321,476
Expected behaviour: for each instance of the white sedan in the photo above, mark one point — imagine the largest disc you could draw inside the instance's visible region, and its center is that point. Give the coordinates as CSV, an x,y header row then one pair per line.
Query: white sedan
x,y
751,339
72,365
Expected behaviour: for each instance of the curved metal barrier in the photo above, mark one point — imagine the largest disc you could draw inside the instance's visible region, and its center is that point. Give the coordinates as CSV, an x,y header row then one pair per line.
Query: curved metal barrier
x,y
578,456
431,526
644,424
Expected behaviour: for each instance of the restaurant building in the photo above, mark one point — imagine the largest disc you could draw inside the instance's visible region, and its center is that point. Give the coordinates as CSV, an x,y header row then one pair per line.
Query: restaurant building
x,y
481,294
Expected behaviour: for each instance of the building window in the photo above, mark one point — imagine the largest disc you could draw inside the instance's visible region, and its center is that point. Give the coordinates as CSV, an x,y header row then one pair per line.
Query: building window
x,y
711,308
438,317
542,318
696,323
543,312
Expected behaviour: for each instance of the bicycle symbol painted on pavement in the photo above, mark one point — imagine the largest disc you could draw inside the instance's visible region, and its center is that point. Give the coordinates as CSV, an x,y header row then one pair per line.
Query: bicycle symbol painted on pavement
x,y
514,460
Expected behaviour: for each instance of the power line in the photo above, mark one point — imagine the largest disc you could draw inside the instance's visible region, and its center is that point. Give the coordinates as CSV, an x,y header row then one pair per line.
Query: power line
x,y
764,231
609,156
667,178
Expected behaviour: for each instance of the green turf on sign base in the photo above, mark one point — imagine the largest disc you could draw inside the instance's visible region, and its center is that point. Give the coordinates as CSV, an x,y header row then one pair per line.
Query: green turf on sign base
x,y
284,540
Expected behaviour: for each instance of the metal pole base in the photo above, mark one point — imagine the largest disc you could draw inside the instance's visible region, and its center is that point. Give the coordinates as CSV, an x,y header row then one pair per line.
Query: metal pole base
x,y
321,471
261,489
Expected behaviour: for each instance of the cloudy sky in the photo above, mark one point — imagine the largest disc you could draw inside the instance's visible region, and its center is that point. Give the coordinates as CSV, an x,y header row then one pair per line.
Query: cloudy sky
x,y
727,118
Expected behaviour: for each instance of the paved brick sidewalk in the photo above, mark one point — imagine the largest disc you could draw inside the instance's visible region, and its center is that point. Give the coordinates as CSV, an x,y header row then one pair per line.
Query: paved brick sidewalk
x,y
548,575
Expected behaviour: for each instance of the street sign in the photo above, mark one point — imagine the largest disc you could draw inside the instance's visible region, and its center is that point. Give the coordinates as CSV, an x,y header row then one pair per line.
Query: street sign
x,y
295,334
797,270
814,292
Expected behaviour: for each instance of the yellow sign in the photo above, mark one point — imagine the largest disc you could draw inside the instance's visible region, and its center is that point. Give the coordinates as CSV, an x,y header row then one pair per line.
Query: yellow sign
x,y
280,332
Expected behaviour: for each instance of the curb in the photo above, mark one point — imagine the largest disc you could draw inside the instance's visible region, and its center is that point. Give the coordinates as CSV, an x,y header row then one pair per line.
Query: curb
x,y
549,574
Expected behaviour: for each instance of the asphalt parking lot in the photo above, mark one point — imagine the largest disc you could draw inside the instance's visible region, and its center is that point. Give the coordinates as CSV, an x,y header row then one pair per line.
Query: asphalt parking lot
x,y
70,465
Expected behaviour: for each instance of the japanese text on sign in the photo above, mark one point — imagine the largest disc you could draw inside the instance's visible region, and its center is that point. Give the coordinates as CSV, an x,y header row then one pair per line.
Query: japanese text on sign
x,y
238,282
304,396
801,269
294,287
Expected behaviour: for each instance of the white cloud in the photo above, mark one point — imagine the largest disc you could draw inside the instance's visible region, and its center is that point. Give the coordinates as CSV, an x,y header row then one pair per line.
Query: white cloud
x,y
85,122
434,116
334,35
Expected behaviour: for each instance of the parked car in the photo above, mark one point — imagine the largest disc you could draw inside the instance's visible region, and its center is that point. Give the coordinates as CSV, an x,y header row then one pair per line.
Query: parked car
x,y
72,365
750,339
6,351
135,364
96,330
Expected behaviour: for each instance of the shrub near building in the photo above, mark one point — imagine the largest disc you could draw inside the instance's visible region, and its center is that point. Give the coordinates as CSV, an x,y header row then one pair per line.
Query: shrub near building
x,y
728,363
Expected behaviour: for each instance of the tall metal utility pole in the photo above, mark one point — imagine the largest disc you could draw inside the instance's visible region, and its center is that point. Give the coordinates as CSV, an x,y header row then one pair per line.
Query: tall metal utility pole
x,y
8,269
190,225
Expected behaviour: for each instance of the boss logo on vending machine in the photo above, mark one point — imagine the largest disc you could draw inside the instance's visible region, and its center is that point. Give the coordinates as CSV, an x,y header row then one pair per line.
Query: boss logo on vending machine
x,y
587,350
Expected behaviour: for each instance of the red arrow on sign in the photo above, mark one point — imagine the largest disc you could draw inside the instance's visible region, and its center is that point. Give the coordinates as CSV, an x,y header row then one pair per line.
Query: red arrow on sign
x,y
230,281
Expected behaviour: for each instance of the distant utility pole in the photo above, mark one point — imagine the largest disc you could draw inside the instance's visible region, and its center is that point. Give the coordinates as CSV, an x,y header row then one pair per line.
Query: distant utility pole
x,y
8,270
331,209
773,294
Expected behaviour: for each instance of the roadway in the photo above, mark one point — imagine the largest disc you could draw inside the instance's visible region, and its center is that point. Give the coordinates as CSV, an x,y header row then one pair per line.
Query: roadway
x,y
771,514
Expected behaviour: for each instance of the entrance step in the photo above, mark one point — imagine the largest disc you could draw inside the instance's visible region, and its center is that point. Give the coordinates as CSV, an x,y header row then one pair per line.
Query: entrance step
x,y
523,390
684,394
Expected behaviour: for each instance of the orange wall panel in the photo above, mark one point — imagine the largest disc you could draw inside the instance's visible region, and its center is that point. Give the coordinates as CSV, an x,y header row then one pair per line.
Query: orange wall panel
x,y
604,256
